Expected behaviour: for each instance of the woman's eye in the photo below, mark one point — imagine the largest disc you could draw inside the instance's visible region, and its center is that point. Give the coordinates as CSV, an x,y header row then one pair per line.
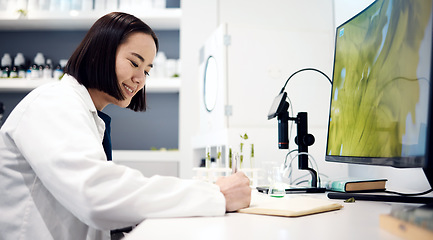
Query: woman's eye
x,y
134,64
146,73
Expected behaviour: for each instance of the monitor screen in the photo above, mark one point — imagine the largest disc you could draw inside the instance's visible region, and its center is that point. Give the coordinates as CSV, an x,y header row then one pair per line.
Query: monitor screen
x,y
380,109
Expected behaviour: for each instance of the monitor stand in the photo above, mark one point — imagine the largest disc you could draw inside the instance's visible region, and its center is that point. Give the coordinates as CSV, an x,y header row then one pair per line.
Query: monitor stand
x,y
380,197
295,190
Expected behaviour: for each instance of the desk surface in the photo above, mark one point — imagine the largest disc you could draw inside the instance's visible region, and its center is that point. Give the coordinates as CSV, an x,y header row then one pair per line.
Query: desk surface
x,y
359,220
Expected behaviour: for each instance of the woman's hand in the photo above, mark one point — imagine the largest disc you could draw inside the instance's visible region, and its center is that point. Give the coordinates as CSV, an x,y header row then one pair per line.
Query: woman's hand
x,y
236,190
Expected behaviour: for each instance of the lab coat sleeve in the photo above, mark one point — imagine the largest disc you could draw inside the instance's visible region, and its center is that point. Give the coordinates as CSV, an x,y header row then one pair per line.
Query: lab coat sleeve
x,y
64,148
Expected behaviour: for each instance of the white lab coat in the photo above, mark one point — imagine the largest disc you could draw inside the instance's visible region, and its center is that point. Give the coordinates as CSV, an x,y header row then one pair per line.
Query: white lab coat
x,y
56,183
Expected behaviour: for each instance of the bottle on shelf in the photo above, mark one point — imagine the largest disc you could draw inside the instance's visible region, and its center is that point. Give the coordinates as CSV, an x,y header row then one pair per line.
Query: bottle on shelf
x,y
76,5
14,72
111,5
19,66
142,4
6,64
58,71
159,4
159,71
55,5
99,5
32,5
48,70
87,5
38,66
34,71
44,5
65,5
29,72
124,5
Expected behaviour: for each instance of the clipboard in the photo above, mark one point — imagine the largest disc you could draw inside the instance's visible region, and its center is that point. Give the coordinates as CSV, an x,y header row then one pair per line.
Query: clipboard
x,y
289,206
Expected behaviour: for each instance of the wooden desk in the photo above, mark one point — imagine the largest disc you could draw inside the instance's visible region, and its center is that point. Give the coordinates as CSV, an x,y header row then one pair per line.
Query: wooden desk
x,y
359,220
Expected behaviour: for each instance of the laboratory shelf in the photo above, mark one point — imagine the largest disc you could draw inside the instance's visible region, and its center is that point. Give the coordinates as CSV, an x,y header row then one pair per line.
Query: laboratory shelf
x,y
157,85
21,85
158,19
149,163
210,138
146,155
163,85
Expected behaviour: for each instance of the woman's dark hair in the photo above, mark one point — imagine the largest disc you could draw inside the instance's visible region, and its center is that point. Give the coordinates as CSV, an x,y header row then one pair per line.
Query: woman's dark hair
x,y
93,62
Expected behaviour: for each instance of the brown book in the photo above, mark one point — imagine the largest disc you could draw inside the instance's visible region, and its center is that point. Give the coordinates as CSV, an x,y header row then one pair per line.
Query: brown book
x,y
356,185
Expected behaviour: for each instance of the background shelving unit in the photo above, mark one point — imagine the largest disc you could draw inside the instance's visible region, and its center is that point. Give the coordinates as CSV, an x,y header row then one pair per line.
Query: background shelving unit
x,y
161,19
150,162
159,85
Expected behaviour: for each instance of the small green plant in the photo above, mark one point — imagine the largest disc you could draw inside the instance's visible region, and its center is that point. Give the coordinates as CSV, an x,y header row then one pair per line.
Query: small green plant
x,y
208,158
243,138
230,158
22,12
252,156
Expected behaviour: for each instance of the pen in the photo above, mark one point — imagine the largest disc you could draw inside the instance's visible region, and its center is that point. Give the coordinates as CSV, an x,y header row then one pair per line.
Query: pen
x,y
235,163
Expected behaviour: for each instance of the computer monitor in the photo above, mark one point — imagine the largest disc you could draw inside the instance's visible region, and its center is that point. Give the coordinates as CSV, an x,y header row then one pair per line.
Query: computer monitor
x,y
381,100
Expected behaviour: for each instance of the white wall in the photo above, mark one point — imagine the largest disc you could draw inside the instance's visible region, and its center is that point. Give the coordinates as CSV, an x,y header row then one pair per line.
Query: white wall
x,y
346,9
199,19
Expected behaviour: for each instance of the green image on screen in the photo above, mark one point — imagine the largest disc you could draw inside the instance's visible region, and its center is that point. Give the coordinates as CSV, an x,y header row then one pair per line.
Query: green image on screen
x,y
381,79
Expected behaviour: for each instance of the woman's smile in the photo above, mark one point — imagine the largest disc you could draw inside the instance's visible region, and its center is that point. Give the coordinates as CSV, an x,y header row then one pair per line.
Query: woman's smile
x,y
130,91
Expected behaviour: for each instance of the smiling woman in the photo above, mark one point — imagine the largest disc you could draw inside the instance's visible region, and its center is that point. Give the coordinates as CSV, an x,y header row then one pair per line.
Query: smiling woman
x,y
55,144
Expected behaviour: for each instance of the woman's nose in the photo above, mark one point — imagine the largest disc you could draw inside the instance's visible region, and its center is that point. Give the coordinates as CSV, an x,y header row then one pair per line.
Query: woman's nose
x,y
139,78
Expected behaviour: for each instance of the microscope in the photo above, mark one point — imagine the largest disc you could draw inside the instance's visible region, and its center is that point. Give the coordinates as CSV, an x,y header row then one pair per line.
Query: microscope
x,y
303,139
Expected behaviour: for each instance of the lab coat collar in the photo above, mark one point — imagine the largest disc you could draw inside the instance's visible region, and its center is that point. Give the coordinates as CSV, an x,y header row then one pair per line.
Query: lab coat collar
x,y
84,93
